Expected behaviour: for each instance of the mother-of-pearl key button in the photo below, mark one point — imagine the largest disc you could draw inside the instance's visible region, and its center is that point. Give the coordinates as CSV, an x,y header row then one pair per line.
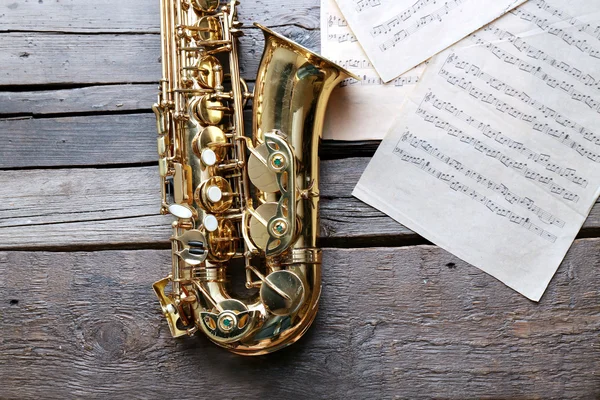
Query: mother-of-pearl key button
x,y
214,194
180,211
209,157
210,223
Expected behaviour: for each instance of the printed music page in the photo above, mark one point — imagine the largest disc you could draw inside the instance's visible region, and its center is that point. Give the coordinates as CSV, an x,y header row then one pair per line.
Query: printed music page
x,y
495,156
351,114
398,35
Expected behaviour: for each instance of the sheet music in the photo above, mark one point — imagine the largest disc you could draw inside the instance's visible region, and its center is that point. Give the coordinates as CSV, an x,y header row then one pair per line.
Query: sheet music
x,y
351,114
397,35
496,154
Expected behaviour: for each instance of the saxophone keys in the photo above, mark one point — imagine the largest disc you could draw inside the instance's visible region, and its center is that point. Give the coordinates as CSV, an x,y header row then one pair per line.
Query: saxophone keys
x,y
208,111
188,298
161,145
194,251
228,322
222,242
170,312
205,5
181,183
163,167
209,72
161,118
178,183
277,161
207,29
210,145
208,157
214,194
236,32
192,256
259,224
181,211
259,172
211,223
279,283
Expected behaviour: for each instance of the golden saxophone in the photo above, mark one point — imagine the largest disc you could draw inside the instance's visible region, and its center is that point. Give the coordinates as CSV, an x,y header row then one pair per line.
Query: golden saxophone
x,y
245,206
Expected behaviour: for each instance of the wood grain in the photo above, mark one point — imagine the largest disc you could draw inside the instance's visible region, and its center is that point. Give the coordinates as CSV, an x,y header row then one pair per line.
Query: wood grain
x,y
398,322
91,99
135,16
73,141
119,207
105,139
394,323
46,58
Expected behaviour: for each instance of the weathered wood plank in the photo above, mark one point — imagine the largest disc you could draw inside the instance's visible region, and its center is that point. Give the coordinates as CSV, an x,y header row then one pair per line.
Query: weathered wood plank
x,y
112,207
140,16
90,140
45,58
118,206
105,139
409,322
107,98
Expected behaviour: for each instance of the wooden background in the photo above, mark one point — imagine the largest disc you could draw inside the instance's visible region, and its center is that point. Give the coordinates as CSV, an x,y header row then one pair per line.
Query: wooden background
x,y
81,242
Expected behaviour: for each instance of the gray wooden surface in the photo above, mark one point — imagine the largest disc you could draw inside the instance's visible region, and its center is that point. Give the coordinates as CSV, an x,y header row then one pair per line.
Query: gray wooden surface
x,y
81,242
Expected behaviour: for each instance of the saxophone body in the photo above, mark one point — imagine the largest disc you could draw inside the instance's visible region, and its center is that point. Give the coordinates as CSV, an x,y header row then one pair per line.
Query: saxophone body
x,y
244,206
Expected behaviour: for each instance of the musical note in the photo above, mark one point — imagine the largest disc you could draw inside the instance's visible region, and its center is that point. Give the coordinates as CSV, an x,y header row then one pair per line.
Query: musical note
x,y
459,187
405,28
491,101
554,83
351,56
503,126
508,162
404,15
509,196
373,80
537,54
342,37
363,4
504,140
436,16
592,30
334,21
567,37
345,120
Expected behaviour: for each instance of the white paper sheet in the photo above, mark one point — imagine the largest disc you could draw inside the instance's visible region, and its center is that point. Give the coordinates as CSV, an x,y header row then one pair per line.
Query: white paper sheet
x,y
358,110
495,156
397,35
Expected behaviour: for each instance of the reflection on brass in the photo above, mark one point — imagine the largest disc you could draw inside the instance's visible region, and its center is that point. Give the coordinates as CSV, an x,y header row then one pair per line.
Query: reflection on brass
x,y
248,202
209,72
211,138
258,224
223,241
214,195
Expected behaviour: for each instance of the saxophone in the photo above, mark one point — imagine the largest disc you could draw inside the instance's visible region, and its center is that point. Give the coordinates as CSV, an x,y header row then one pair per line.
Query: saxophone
x,y
244,207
